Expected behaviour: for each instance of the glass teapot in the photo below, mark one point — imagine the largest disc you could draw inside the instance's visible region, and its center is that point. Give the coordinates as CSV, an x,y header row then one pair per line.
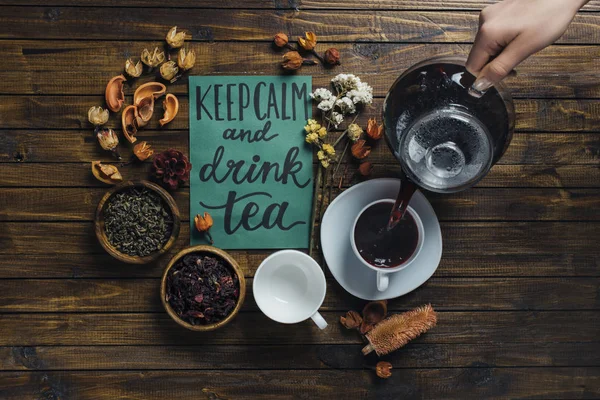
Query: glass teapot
x,y
445,138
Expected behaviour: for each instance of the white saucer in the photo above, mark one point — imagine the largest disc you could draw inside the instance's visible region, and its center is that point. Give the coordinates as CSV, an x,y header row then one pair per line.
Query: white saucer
x,y
356,278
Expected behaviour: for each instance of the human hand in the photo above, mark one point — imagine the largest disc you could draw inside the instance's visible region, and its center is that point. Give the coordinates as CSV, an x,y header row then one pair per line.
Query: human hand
x,y
511,31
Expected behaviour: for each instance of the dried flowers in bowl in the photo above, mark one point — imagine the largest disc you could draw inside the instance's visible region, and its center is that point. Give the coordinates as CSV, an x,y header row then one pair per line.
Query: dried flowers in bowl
x,y
137,222
202,288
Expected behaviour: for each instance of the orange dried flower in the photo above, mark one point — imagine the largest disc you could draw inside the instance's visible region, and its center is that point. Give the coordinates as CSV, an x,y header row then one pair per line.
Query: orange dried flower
x,y
292,60
309,41
332,56
281,39
383,369
365,168
142,151
351,320
360,150
374,130
203,224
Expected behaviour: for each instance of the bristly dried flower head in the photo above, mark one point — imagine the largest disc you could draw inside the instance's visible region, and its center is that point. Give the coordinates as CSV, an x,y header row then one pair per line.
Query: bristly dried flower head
x,y
383,369
186,59
360,150
132,68
374,130
354,132
309,41
280,39
332,56
175,39
169,70
142,151
365,168
97,116
154,58
351,320
292,60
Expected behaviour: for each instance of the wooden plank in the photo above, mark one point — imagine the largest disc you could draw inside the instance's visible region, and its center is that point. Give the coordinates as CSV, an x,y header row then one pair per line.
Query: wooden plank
x,y
46,67
98,265
457,383
252,25
255,328
460,239
593,5
81,146
78,204
142,295
70,112
52,358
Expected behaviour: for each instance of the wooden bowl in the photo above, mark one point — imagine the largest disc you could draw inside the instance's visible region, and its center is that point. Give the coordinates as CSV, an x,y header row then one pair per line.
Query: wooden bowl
x,y
229,261
101,233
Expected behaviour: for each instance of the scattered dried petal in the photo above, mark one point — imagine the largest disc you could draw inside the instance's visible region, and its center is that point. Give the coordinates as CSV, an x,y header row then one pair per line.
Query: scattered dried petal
x,y
352,320
360,150
383,369
114,93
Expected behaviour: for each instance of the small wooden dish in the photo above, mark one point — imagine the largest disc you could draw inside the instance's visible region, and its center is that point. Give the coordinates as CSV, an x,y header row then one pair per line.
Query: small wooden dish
x,y
101,233
229,261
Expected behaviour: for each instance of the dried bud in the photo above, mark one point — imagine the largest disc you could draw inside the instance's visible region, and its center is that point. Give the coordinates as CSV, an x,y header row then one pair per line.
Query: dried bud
x,y
309,41
203,224
383,369
97,115
133,69
108,139
352,320
175,39
292,60
365,168
142,151
281,40
106,173
186,59
360,150
374,130
354,132
168,70
154,58
332,56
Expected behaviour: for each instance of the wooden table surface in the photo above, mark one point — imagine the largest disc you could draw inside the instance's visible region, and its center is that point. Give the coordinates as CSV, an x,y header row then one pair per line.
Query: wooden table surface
x,y
517,290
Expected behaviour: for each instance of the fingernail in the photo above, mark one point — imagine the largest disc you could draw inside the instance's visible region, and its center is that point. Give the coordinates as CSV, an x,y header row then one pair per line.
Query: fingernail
x,y
480,86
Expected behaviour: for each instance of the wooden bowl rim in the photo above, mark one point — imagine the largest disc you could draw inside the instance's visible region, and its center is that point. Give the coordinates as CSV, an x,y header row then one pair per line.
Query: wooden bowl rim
x,y
101,233
227,258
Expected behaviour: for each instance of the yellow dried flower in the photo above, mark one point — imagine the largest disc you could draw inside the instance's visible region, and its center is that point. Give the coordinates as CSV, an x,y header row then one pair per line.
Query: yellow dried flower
x,y
312,138
322,132
169,70
175,39
97,115
328,149
354,132
309,41
154,58
325,163
132,68
186,59
321,155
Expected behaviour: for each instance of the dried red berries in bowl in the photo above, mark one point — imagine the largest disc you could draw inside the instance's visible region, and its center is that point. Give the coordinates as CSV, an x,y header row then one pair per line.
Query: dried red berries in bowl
x,y
202,288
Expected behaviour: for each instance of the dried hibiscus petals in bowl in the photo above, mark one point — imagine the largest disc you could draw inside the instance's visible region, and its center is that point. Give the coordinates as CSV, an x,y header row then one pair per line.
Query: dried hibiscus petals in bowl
x,y
203,288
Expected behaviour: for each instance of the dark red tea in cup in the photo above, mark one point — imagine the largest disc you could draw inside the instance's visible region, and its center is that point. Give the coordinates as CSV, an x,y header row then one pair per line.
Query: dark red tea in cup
x,y
381,247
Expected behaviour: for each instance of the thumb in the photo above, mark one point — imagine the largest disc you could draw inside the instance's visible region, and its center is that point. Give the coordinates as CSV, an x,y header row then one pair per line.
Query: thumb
x,y
501,66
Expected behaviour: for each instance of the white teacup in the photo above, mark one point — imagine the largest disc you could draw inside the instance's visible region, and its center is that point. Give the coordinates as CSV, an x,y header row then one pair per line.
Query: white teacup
x,y
289,287
383,279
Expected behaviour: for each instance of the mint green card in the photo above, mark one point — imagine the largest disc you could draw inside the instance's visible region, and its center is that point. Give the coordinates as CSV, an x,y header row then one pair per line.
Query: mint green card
x,y
252,170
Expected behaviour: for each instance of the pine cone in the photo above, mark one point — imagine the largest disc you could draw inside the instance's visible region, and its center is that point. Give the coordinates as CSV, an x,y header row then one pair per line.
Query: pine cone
x,y
171,168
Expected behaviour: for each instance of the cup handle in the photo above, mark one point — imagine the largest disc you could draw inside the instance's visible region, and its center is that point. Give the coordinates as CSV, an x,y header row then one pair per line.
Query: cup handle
x,y
383,281
319,320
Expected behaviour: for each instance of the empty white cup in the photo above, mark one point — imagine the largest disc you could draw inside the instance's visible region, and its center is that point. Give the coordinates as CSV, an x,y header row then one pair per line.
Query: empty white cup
x,y
289,287
383,279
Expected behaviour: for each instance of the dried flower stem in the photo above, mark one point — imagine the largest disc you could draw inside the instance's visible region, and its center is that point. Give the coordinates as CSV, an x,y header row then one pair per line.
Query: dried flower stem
x,y
314,211
314,52
345,131
323,186
341,157
207,233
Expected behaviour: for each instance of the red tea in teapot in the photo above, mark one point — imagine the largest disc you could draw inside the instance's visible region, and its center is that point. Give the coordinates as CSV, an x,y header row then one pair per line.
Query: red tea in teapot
x,y
381,247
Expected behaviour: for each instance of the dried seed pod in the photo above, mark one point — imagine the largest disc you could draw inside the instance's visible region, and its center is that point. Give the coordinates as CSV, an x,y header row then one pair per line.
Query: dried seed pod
x,y
169,71
97,115
383,369
114,93
186,59
280,39
360,150
374,130
309,41
106,173
175,39
154,58
132,68
332,56
130,123
292,60
145,110
171,107
142,151
150,89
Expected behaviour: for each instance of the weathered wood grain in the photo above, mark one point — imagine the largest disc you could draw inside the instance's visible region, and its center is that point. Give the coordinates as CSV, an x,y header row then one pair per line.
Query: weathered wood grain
x,y
593,5
70,112
458,383
251,25
53,358
460,238
81,146
142,295
46,67
78,204
255,328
